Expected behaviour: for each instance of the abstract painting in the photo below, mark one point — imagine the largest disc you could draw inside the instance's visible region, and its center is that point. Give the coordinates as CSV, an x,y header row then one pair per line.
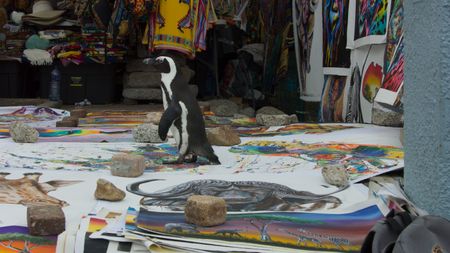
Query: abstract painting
x,y
343,232
32,115
360,160
332,102
80,134
214,121
335,54
303,13
372,81
17,239
354,114
371,21
290,130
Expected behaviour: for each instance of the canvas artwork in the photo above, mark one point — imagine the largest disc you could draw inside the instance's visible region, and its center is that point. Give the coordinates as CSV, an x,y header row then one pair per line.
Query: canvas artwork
x,y
79,134
214,121
362,161
343,232
290,130
394,57
303,17
17,239
336,58
31,115
371,19
354,114
372,81
332,102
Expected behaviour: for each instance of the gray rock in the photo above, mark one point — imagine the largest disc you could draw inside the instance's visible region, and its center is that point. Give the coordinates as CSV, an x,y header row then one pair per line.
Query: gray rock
x,y
154,117
293,118
127,165
142,80
45,220
137,65
273,120
248,111
386,115
22,133
270,110
146,133
223,107
142,93
107,191
205,211
335,175
223,136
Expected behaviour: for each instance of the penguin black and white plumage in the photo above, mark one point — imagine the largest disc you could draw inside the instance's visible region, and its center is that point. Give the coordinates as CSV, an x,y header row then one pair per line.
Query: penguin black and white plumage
x,y
182,113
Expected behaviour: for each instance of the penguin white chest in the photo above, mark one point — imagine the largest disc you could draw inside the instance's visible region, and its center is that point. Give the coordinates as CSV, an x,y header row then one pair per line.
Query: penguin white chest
x,y
184,133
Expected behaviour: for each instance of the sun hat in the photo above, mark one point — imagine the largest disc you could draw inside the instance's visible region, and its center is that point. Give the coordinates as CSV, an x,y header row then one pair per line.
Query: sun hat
x,y
44,14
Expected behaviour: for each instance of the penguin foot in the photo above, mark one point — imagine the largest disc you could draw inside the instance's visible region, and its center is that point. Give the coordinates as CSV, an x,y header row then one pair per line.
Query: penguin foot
x,y
191,158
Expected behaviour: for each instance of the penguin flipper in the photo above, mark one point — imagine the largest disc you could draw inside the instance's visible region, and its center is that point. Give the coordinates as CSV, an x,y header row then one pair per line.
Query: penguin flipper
x,y
171,114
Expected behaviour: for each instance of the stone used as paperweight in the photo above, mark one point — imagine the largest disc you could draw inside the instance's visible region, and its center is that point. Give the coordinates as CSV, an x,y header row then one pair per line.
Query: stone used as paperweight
x,y
107,191
273,120
127,165
68,122
146,133
78,113
387,115
154,117
205,211
270,110
45,220
223,136
204,106
335,175
293,119
22,133
248,111
223,107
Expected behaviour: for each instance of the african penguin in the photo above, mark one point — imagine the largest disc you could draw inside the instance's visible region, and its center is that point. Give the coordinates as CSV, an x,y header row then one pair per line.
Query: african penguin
x,y
182,113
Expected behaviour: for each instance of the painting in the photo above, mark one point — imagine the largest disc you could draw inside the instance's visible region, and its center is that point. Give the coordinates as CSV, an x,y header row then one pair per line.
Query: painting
x,y
29,191
332,102
215,121
240,196
343,232
291,130
394,57
372,80
370,22
80,134
362,161
354,114
336,58
17,239
303,15
31,115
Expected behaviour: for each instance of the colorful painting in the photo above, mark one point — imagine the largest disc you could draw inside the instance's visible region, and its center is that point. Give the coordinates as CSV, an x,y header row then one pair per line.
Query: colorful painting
x,y
332,103
335,54
32,115
372,81
79,135
303,29
17,239
106,119
291,129
360,160
29,191
336,232
395,33
394,76
240,196
371,19
214,121
354,112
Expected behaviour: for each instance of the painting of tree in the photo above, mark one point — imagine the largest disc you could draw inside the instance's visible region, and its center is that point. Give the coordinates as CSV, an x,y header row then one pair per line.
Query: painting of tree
x,y
22,242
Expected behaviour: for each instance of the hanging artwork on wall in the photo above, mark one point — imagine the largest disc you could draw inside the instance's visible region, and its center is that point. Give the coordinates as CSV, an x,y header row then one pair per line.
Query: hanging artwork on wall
x,y
393,58
336,58
332,102
353,114
303,18
371,82
369,22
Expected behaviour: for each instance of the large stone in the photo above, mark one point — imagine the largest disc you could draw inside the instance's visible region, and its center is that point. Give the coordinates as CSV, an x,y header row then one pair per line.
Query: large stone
x,y
22,133
154,117
335,175
142,93
223,107
248,111
107,191
273,120
223,136
78,113
68,122
204,106
127,165
270,110
205,210
137,65
45,220
146,133
386,115
142,80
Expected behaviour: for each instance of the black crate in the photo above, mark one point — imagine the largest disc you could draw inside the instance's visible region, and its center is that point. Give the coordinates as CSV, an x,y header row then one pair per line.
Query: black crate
x,y
96,82
12,79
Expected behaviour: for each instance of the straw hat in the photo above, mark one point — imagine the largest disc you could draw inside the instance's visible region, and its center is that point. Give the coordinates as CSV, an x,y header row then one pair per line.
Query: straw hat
x,y
44,14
